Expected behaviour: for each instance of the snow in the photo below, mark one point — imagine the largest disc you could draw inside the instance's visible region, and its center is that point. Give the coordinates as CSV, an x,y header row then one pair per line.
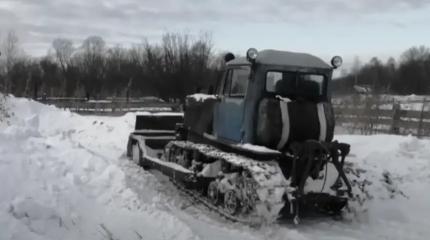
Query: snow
x,y
360,89
65,176
170,165
99,101
180,114
284,99
201,97
257,148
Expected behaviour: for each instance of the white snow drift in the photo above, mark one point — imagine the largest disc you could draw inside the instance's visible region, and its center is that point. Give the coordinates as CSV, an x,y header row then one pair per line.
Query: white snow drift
x,y
64,176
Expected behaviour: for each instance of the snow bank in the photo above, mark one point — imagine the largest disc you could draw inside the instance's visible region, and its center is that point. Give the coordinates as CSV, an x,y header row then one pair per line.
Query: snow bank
x,y
64,176
398,168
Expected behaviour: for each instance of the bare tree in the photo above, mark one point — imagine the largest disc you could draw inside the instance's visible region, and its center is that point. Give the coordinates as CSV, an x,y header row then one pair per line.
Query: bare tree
x,y
93,46
420,53
356,66
414,70
137,54
154,68
11,54
409,76
177,66
11,49
391,73
92,61
63,51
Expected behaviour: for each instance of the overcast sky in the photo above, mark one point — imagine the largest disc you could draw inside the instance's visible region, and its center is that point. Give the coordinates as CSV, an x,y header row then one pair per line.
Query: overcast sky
x,y
323,27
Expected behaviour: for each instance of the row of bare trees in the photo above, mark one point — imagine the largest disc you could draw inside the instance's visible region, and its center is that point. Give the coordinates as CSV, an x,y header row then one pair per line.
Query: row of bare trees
x,y
410,75
179,65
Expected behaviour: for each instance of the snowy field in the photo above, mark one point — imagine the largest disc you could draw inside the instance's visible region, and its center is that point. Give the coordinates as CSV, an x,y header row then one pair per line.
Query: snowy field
x,y
65,176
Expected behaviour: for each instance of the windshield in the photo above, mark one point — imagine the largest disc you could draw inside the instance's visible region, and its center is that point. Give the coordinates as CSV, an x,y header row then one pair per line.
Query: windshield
x,y
295,85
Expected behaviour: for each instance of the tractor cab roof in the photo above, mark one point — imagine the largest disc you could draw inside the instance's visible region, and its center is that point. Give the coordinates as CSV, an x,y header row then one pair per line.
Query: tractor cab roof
x,y
284,58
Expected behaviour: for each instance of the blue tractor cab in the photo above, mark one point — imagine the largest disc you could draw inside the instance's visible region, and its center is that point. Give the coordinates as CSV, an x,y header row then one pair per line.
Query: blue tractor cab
x,y
269,98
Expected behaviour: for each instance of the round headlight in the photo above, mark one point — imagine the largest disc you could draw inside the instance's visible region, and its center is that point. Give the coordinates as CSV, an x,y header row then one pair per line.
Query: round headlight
x,y
336,61
251,54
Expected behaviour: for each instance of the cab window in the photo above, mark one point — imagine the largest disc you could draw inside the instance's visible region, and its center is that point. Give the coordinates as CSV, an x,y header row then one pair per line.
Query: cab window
x,y
296,85
237,82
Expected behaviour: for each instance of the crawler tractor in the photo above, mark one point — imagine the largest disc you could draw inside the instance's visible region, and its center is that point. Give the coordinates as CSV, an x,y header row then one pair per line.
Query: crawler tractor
x,y
258,149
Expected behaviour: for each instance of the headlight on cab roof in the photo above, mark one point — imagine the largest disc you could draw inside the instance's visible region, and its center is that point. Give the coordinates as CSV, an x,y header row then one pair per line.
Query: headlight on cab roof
x,y
336,61
251,54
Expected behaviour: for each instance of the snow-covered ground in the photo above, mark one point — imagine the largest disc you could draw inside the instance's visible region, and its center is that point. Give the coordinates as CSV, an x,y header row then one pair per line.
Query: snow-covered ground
x,y
64,176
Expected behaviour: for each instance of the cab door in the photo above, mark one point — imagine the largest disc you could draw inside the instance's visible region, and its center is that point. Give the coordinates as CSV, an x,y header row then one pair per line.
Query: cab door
x,y
229,111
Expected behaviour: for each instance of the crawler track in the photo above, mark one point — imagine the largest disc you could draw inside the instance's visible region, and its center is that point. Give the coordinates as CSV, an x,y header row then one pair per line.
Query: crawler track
x,y
258,187
219,210
238,188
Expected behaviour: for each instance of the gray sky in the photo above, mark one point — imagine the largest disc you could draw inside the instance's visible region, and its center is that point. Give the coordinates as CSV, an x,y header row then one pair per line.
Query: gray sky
x,y
322,27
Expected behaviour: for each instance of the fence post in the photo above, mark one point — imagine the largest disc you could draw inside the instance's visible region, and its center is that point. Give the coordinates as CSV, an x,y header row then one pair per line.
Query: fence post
x,y
395,125
375,126
420,124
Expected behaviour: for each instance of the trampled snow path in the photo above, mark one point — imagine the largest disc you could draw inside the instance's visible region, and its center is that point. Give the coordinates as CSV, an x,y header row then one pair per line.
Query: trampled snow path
x,y
64,176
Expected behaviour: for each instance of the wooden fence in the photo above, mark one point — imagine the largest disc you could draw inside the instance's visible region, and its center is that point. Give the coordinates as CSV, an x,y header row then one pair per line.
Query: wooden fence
x,y
365,117
114,107
376,118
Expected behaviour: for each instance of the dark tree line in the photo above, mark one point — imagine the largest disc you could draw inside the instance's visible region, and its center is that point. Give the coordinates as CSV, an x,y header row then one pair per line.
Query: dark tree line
x,y
411,75
175,67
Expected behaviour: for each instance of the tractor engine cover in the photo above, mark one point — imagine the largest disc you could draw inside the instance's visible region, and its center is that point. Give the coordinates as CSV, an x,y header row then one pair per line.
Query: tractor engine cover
x,y
199,113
